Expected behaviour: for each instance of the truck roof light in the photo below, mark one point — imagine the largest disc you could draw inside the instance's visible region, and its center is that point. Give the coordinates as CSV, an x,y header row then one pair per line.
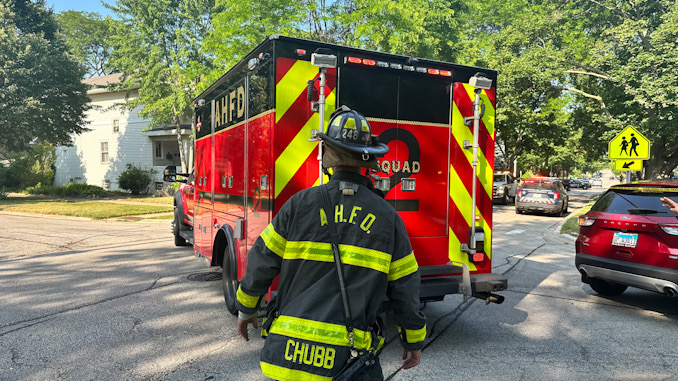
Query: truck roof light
x,y
421,69
408,68
382,64
354,60
369,62
300,52
396,66
446,73
434,71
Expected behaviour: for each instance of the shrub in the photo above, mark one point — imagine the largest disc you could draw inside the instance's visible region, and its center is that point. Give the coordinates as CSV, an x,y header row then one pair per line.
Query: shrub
x,y
68,190
135,179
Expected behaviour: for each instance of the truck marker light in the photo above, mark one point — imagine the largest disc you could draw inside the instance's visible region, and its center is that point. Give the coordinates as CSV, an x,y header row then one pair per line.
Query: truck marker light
x,y
382,64
421,70
369,62
408,68
446,73
434,71
396,66
300,52
355,60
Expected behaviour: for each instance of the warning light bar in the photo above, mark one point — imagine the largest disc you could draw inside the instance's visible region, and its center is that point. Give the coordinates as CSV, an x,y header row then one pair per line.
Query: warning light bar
x,y
397,66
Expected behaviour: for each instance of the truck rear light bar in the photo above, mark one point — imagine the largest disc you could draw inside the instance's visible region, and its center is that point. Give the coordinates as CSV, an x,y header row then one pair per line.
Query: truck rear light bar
x,y
397,66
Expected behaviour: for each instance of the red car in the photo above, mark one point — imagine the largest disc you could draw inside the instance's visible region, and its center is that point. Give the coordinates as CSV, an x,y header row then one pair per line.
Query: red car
x,y
629,238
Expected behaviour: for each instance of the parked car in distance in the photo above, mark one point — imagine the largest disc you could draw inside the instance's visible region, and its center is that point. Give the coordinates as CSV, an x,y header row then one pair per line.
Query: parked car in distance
x,y
542,194
567,183
597,182
504,188
629,238
584,183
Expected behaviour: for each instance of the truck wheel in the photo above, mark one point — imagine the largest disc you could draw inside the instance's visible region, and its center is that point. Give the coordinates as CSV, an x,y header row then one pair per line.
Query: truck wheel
x,y
229,279
606,288
176,227
504,198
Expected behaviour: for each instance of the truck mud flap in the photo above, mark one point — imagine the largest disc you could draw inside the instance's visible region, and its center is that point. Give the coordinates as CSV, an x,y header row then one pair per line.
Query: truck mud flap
x,y
438,281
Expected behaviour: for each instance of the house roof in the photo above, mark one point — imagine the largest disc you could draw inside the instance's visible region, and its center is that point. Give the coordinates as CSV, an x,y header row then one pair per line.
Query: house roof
x,y
98,85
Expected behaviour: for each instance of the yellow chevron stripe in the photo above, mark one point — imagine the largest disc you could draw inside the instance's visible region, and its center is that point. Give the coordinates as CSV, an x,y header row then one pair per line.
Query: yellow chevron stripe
x,y
488,118
292,85
455,254
460,196
461,132
294,155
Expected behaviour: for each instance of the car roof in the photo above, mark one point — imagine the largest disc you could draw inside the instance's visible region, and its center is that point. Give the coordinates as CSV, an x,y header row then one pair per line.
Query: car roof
x,y
649,185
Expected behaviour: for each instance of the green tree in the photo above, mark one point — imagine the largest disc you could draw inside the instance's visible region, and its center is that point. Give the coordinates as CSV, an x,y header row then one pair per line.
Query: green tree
x,y
87,34
159,51
41,93
623,64
422,28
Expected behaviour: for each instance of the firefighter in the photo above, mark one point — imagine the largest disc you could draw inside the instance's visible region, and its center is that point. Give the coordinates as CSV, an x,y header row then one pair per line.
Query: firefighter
x,y
306,333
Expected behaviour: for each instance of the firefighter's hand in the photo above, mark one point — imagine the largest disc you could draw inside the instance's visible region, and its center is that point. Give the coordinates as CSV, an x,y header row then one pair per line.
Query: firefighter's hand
x,y
413,360
672,205
242,327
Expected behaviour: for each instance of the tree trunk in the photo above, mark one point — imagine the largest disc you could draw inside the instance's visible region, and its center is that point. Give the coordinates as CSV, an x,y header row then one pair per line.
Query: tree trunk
x,y
661,162
180,142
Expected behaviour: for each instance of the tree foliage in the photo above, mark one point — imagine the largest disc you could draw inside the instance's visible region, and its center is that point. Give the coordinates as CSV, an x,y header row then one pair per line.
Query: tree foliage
x,y
423,28
87,35
41,93
159,51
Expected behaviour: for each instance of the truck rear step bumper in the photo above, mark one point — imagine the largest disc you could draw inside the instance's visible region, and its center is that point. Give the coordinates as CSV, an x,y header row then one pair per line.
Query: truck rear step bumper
x,y
438,281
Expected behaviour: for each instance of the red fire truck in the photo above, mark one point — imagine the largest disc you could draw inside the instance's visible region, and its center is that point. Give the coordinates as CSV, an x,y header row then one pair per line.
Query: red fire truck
x,y
255,148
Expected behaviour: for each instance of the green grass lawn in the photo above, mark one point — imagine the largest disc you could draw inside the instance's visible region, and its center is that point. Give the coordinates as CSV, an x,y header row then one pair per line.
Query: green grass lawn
x,y
92,209
151,200
571,225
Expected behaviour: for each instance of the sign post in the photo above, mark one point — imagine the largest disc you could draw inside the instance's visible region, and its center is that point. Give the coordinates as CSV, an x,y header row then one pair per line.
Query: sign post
x,y
629,148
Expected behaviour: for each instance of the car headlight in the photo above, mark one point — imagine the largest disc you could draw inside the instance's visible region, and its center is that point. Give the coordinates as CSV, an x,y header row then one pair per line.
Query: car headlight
x,y
500,190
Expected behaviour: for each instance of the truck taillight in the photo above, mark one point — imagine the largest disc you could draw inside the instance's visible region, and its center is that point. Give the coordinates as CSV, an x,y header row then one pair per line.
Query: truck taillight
x,y
477,257
586,220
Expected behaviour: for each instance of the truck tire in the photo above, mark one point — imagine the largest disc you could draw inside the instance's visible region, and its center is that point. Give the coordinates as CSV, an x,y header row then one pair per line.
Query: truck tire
x,y
176,226
504,198
229,279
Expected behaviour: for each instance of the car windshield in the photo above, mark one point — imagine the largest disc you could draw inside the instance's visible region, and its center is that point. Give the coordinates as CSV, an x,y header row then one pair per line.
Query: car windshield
x,y
539,184
624,201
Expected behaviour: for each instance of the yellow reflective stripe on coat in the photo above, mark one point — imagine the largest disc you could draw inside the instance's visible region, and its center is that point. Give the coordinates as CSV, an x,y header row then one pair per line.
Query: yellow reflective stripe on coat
x,y
319,332
350,255
274,241
403,267
284,374
414,336
248,301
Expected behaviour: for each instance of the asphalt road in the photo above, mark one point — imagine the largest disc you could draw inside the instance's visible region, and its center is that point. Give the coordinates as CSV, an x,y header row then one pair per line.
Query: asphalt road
x,y
88,300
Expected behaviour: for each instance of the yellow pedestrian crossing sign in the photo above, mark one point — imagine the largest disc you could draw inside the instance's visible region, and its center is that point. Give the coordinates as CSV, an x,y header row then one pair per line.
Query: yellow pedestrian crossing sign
x,y
629,165
629,144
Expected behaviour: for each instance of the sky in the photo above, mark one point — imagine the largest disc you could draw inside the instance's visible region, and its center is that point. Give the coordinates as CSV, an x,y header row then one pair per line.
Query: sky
x,y
80,5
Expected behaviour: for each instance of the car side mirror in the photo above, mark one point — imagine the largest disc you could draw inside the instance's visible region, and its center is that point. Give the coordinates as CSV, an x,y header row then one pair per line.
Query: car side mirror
x,y
170,174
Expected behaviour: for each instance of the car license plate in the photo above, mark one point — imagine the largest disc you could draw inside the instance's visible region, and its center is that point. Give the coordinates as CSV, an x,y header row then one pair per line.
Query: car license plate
x,y
625,239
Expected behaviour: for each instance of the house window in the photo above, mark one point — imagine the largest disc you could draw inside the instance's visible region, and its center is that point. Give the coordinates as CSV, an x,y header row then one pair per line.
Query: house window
x,y
116,125
104,152
158,149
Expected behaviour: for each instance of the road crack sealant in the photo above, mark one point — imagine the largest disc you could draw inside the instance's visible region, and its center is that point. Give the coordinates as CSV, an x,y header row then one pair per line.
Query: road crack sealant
x,y
457,312
27,323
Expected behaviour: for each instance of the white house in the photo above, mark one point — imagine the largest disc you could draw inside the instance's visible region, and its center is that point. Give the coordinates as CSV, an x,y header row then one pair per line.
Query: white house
x,y
117,136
